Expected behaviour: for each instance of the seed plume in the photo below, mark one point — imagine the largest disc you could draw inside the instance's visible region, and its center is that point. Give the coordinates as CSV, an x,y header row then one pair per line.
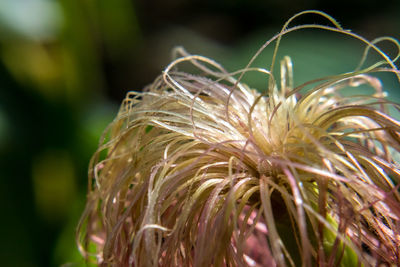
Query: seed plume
x,y
200,169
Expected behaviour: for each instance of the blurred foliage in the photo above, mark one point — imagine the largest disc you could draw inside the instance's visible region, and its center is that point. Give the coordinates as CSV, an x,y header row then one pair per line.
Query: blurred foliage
x,y
65,65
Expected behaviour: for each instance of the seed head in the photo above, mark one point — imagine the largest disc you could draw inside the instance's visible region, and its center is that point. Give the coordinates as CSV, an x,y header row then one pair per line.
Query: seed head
x,y
202,170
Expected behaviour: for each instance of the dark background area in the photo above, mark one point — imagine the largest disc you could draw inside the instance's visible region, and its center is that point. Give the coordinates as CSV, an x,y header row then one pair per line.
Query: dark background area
x,y
66,65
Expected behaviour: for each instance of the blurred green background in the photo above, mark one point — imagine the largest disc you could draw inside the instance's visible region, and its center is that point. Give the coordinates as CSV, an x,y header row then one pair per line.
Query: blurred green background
x,y
66,65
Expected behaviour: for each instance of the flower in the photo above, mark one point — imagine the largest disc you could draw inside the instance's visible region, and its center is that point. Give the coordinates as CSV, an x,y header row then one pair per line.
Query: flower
x,y
201,170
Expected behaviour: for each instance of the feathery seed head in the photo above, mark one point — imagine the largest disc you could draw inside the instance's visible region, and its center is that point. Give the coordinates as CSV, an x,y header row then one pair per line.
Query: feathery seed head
x,y
201,170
